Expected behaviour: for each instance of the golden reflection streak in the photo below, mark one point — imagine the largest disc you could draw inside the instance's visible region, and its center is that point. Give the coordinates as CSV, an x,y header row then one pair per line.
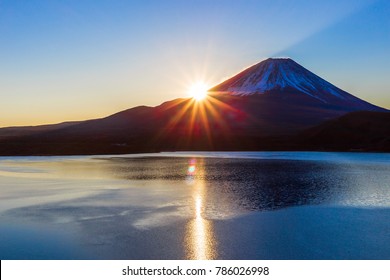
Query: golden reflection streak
x,y
199,237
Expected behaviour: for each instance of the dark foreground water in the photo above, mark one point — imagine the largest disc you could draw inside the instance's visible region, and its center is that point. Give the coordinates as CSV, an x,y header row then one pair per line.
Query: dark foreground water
x,y
288,205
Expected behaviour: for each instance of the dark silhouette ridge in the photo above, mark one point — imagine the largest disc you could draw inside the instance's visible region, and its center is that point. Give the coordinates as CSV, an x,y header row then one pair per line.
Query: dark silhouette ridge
x,y
357,131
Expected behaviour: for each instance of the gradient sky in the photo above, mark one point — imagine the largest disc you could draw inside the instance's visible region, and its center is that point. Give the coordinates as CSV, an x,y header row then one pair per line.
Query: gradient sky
x,y
81,59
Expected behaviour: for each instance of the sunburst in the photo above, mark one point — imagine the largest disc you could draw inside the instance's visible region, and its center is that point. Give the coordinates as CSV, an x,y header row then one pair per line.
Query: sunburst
x,y
198,91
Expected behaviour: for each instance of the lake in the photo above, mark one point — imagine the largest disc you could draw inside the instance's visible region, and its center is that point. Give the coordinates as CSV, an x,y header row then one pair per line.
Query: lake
x,y
196,205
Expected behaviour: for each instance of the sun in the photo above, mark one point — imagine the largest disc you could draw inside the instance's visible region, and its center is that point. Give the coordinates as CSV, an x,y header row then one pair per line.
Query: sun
x,y
198,91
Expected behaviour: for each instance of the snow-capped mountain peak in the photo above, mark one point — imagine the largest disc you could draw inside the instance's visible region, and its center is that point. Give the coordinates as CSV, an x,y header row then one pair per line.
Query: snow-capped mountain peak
x,y
282,75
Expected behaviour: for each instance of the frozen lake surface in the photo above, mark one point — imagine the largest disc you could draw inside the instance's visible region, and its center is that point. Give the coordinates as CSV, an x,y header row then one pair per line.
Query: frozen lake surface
x,y
196,205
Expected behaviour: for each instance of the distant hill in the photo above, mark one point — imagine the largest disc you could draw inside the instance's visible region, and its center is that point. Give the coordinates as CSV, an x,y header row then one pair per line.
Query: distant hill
x,y
17,131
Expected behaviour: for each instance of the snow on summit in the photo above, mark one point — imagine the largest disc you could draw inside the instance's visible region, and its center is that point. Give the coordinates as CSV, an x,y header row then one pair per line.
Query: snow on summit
x,y
280,74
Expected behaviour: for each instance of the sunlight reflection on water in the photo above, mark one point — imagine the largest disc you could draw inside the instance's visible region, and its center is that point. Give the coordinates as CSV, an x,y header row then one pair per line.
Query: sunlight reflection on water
x,y
200,240
179,203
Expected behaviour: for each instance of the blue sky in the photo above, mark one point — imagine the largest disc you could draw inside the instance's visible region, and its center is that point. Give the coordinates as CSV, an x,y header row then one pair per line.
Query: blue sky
x,y
73,60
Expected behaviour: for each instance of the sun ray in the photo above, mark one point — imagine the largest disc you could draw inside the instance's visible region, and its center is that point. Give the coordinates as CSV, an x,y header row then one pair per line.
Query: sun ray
x,y
199,122
192,121
217,116
175,119
205,122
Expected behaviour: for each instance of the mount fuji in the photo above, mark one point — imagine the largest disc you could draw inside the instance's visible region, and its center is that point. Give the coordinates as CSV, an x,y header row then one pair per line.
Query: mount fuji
x,y
285,76
273,105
